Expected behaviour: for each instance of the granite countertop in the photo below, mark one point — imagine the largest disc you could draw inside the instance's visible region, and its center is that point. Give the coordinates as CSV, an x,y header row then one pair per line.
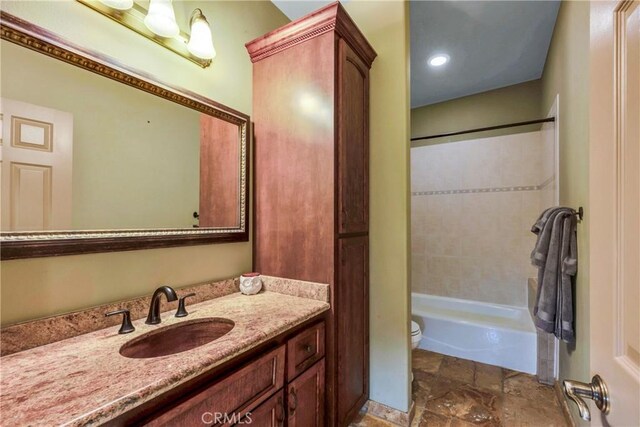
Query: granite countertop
x,y
85,381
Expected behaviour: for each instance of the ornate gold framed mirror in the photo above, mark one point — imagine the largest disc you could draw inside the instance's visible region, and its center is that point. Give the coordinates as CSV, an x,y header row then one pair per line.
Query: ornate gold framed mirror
x,y
98,157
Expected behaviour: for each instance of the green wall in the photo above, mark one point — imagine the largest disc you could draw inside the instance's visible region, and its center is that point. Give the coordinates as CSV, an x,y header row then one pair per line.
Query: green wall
x,y
40,287
136,157
566,74
386,26
511,104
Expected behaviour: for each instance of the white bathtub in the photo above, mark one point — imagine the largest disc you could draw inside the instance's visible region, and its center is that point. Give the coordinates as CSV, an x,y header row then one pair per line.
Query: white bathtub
x,y
496,334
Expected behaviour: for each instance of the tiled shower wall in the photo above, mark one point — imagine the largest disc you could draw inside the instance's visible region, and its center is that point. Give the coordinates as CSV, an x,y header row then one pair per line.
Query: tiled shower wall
x,y
473,204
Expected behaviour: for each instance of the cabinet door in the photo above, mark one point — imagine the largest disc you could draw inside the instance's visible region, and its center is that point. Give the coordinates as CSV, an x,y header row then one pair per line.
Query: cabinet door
x,y
352,328
268,414
305,398
353,142
227,400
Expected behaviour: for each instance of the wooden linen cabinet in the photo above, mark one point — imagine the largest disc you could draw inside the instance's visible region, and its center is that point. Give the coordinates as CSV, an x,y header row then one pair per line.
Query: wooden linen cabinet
x,y
311,121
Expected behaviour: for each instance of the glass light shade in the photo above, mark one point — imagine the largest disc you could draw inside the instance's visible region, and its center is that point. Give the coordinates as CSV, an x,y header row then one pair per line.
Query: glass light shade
x,y
200,43
118,4
161,19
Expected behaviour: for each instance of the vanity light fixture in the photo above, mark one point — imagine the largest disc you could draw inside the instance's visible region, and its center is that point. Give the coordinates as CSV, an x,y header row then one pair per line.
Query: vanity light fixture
x,y
200,43
161,19
158,24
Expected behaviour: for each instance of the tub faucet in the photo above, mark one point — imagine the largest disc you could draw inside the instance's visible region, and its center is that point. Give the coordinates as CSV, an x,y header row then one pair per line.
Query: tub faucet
x,y
154,308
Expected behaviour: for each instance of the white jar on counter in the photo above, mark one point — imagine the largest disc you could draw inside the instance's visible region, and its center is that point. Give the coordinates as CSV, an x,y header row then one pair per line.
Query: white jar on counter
x,y
250,283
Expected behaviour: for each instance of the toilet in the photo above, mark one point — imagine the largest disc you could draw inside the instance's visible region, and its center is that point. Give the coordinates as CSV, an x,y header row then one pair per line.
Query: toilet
x,y
416,335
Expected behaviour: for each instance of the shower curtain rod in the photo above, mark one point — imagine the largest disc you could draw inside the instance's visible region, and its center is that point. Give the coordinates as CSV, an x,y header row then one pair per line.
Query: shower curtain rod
x,y
508,125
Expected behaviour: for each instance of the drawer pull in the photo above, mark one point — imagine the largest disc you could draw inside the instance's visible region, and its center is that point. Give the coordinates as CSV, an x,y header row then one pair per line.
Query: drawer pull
x,y
293,401
280,411
308,348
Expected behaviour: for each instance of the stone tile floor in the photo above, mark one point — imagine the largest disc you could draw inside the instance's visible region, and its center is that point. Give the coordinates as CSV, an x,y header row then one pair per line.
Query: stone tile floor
x,y
452,392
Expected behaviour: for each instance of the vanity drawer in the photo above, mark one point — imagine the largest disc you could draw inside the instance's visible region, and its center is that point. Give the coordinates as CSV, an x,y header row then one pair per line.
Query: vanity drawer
x,y
236,394
304,350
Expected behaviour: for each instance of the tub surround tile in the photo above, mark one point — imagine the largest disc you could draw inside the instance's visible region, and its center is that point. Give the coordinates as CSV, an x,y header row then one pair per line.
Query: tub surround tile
x,y
494,397
545,360
475,201
84,381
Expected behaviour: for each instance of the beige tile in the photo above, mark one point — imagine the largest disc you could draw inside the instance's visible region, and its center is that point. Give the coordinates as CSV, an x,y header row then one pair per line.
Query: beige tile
x,y
488,377
444,401
426,361
468,404
430,419
457,369
366,420
417,416
527,386
417,242
531,412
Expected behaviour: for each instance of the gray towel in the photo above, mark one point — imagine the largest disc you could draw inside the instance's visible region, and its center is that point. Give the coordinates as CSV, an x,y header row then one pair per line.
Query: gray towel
x,y
556,257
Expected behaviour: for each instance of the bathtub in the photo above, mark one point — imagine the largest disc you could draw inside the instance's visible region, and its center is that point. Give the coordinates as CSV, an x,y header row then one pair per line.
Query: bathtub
x,y
496,334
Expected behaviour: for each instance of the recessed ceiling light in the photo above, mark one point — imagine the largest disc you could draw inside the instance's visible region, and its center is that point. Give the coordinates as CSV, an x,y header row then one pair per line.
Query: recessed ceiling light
x,y
438,60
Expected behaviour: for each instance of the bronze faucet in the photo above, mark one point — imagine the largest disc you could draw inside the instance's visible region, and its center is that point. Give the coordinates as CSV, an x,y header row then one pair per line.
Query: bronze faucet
x,y
154,309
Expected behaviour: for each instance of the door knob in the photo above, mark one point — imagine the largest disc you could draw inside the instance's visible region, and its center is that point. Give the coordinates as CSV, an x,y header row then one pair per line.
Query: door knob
x,y
596,390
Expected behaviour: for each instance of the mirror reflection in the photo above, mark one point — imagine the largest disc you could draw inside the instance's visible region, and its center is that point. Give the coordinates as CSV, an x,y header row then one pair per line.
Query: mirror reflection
x,y
83,152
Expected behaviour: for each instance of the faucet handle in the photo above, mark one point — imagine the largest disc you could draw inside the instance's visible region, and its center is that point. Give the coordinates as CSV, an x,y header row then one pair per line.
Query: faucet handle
x,y
126,326
182,311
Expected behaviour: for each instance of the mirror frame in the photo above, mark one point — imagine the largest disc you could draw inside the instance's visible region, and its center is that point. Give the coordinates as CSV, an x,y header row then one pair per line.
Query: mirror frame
x,y
16,245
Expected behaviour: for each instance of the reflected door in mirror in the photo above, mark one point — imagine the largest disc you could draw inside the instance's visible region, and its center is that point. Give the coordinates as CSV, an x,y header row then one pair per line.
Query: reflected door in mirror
x,y
219,171
37,152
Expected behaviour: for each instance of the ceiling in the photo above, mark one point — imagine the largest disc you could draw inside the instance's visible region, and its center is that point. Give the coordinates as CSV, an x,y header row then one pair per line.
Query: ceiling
x,y
491,44
295,9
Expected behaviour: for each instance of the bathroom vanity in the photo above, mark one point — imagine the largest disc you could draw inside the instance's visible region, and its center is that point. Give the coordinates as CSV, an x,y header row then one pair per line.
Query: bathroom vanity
x,y
269,367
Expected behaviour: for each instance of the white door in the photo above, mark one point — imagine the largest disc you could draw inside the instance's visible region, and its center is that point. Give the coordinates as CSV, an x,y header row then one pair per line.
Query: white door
x,y
35,162
614,217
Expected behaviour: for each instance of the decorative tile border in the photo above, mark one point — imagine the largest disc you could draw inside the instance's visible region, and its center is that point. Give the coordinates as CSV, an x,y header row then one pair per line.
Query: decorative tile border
x,y
486,190
547,182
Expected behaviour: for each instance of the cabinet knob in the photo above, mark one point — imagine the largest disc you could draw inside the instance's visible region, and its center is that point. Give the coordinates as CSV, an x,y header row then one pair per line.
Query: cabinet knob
x,y
308,348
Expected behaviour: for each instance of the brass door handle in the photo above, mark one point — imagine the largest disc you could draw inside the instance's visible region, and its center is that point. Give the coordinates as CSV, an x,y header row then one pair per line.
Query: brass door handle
x,y
596,390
